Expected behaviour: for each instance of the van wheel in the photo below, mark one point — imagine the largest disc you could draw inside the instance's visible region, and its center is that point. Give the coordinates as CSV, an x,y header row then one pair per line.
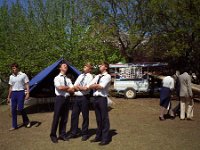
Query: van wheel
x,y
130,93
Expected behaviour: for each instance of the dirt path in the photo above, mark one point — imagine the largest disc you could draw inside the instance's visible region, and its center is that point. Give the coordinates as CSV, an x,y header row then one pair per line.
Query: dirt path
x,y
134,125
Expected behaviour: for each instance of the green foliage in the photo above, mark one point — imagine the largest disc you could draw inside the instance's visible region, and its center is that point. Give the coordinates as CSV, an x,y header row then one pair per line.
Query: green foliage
x,y
37,34
174,31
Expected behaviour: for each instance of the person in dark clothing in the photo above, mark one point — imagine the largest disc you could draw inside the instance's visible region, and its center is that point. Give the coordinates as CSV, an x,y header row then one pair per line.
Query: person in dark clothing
x,y
81,103
100,85
63,88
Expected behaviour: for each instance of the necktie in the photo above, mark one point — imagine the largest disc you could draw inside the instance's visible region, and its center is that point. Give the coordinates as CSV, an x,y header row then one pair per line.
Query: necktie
x,y
100,76
65,82
82,81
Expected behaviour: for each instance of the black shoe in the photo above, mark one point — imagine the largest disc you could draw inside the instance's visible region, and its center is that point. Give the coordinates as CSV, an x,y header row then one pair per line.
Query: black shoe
x,y
84,138
172,117
71,136
54,139
161,118
95,140
64,138
104,143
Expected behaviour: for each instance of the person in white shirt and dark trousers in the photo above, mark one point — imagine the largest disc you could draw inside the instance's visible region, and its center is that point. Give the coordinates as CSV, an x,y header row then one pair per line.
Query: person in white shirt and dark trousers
x,y
18,82
100,85
63,88
165,97
81,103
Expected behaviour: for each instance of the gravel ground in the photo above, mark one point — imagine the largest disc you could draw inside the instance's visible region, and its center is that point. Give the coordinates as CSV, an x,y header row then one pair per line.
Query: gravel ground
x,y
134,125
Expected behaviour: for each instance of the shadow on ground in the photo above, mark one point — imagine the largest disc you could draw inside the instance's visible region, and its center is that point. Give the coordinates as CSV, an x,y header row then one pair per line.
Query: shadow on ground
x,y
92,132
49,107
33,124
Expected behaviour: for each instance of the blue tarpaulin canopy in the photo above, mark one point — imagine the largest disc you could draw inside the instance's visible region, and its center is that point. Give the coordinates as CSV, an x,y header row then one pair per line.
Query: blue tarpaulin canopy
x,y
42,84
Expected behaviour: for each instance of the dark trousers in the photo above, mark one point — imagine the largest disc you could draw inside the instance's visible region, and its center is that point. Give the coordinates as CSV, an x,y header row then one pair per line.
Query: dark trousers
x,y
17,100
102,118
81,104
61,110
177,109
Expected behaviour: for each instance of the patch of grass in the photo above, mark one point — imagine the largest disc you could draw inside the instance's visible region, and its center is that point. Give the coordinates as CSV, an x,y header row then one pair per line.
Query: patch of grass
x,y
134,125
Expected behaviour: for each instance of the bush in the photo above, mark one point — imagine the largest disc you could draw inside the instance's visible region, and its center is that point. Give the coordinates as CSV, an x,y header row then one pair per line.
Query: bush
x,y
4,92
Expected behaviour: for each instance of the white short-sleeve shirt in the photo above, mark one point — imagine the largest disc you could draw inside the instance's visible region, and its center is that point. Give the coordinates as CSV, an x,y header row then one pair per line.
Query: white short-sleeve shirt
x,y
168,82
85,79
104,82
59,81
18,81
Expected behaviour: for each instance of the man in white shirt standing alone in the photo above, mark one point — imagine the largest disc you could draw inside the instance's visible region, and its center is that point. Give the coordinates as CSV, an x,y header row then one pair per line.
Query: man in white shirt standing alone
x,y
100,85
81,102
63,88
18,82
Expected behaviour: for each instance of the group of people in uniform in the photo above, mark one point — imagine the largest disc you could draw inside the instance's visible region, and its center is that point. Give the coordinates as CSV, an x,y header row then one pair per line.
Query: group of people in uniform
x,y
84,86
181,84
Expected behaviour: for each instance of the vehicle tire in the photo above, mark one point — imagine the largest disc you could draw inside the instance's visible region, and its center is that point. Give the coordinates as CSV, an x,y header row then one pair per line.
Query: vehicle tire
x,y
130,93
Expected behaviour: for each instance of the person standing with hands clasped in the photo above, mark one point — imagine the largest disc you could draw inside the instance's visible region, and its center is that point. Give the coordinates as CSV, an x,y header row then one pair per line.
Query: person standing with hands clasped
x,y
100,85
63,88
18,82
81,102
